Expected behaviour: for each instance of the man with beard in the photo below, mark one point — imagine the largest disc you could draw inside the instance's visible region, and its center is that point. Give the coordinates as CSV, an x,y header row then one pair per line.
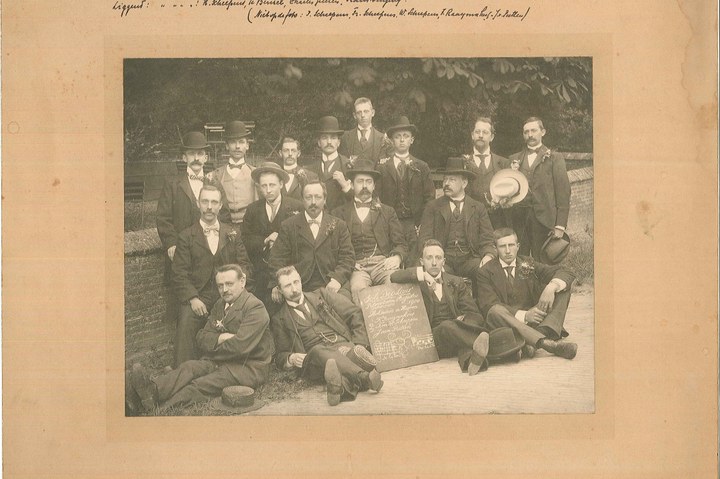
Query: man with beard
x,y
485,164
297,176
204,246
545,210
364,142
459,223
235,179
375,231
323,335
262,222
331,167
236,346
316,243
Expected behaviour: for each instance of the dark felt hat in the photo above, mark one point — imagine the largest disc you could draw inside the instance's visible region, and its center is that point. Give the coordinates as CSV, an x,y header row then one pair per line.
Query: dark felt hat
x,y
402,123
504,343
269,167
237,399
235,130
364,166
328,125
554,249
457,166
194,140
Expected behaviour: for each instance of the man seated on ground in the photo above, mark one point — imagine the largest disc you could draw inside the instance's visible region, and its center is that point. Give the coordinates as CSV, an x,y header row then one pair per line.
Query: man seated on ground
x,y
236,346
456,323
530,297
323,334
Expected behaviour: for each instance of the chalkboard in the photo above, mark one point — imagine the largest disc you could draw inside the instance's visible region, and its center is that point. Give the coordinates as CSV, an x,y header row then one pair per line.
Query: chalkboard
x,y
397,326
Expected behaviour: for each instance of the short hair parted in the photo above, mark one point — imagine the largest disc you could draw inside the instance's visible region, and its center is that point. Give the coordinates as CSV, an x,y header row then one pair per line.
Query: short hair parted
x,y
314,182
285,271
362,100
207,187
290,139
231,267
485,119
535,118
502,233
432,242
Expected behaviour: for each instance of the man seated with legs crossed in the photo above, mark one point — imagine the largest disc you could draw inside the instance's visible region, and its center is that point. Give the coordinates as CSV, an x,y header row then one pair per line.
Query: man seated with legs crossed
x,y
457,326
530,297
323,334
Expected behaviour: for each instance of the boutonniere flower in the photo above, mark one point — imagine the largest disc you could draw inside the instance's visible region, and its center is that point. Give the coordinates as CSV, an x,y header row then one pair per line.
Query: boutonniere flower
x,y
295,212
382,161
331,227
411,166
351,162
526,268
515,165
207,179
301,173
220,326
323,307
375,206
231,235
467,159
546,155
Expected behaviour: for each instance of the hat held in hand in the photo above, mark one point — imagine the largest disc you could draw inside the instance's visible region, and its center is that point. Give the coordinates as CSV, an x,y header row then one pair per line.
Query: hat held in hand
x,y
508,187
555,249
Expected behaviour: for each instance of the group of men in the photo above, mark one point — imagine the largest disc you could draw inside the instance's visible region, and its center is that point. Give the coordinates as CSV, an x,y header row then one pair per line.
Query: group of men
x,y
362,214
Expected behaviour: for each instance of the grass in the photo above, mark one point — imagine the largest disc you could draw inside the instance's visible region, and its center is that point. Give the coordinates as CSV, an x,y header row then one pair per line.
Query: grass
x,y
580,259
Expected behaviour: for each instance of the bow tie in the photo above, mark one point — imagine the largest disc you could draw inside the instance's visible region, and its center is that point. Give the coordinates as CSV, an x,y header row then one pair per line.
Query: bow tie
x,y
211,229
236,166
314,222
360,204
291,172
196,177
531,151
482,156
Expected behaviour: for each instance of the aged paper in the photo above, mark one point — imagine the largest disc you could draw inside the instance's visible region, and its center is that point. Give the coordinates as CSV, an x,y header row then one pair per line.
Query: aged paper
x,y
655,204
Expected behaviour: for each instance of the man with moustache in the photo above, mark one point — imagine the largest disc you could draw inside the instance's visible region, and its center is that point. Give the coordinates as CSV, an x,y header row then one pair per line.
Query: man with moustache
x,y
405,183
485,164
323,335
235,179
457,326
526,295
331,167
316,243
297,176
364,142
236,346
178,204
262,222
207,244
545,210
375,231
459,223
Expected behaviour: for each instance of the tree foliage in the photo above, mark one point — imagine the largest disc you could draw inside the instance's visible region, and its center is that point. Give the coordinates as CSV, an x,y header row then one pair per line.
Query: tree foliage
x,y
442,96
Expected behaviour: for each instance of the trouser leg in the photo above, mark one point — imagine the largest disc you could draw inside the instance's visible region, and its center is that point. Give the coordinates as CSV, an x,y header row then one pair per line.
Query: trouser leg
x,y
538,234
498,316
359,280
172,382
456,338
203,388
520,226
408,227
314,367
552,325
188,325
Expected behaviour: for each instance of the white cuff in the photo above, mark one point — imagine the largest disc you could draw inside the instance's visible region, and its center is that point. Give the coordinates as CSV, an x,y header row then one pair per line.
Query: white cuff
x,y
558,227
420,273
520,315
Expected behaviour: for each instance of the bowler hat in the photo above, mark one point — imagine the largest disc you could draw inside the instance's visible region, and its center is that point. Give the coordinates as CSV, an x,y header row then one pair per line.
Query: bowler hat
x,y
269,167
237,399
508,186
503,343
456,166
402,123
361,357
194,140
328,125
235,130
554,249
363,166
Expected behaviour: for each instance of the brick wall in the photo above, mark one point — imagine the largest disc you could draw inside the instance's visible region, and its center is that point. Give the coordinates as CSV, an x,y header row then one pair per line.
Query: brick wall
x,y
149,308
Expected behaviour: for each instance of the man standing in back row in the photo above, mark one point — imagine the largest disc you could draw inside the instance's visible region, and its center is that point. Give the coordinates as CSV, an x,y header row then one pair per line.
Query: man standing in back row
x,y
365,141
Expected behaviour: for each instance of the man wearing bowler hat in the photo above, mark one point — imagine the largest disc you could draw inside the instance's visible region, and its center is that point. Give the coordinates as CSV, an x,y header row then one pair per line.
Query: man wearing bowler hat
x,y
297,176
460,223
545,211
405,183
485,163
526,295
365,141
457,326
235,179
332,167
375,231
236,346
262,222
323,335
178,204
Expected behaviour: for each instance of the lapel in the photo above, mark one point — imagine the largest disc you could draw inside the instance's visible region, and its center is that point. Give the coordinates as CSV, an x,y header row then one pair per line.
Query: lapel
x,y
495,163
444,208
376,138
234,311
391,168
184,184
449,298
313,300
500,280
293,187
410,167
540,152
222,241
199,237
303,229
322,234
469,210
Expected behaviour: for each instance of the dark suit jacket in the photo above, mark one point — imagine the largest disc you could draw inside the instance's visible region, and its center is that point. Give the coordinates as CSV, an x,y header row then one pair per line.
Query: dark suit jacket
x,y
302,176
248,320
481,185
336,197
388,232
459,297
332,251
257,227
194,265
421,191
339,313
549,187
493,289
350,145
436,224
177,209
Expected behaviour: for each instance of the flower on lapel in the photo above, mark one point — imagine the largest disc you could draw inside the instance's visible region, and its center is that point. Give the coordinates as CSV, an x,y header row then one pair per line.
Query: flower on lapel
x,y
467,159
322,307
231,235
412,167
351,162
546,155
375,205
302,174
294,212
208,179
331,227
220,326
382,161
515,164
526,268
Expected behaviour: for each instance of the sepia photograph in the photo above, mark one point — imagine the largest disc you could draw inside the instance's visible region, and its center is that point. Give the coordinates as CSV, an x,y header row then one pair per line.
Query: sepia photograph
x,y
358,236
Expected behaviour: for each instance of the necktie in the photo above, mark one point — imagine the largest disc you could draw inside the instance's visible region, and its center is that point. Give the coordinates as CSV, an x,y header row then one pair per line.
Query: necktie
x,y
363,137
510,277
458,208
273,211
196,177
482,159
328,166
214,229
401,169
301,310
236,166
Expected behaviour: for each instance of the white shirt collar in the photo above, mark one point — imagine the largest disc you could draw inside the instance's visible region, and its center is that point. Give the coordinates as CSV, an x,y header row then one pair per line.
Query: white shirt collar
x,y
535,150
242,162
294,304
205,225
329,158
276,202
475,152
319,217
504,265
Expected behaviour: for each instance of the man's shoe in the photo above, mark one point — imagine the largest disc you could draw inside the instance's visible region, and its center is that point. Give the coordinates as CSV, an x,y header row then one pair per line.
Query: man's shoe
x,y
144,387
528,351
376,382
478,357
564,349
333,381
